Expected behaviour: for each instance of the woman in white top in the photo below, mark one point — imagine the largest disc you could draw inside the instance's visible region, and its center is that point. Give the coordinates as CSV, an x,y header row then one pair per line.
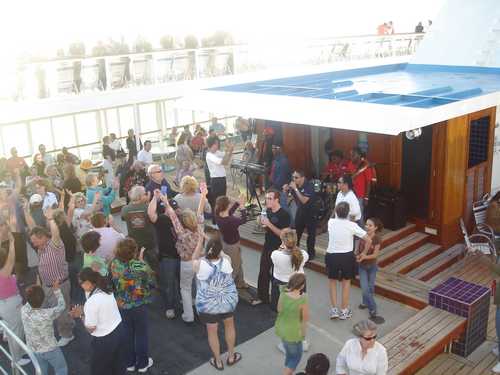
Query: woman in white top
x,y
346,194
340,260
287,260
215,261
363,355
102,320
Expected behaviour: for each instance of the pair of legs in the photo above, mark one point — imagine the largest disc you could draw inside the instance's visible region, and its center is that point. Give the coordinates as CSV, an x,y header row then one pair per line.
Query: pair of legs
x,y
306,220
108,353
213,339
367,276
346,288
169,282
234,252
10,313
264,275
293,354
135,324
186,286
54,358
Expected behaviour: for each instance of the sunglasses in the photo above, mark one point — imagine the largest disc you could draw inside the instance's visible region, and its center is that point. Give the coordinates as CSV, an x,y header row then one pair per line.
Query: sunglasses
x,y
369,338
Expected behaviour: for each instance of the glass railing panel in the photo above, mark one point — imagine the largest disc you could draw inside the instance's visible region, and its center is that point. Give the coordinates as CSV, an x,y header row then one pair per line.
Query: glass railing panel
x,y
41,134
64,132
86,127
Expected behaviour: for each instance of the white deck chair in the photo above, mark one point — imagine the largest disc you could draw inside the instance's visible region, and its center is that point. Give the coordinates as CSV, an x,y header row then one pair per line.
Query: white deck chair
x,y
478,242
479,210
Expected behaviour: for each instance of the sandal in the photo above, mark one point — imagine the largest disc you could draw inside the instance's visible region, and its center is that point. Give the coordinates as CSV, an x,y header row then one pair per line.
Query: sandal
x,y
236,358
215,365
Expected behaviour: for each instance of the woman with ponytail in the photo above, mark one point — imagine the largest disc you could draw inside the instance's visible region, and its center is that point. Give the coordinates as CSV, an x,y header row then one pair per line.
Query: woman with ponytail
x,y
216,298
287,260
102,319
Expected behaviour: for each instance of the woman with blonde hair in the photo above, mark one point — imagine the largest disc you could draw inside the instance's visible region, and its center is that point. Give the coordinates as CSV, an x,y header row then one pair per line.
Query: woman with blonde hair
x,y
291,323
287,260
189,196
188,233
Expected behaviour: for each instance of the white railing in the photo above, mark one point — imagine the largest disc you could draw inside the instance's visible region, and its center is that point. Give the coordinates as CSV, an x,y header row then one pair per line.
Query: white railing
x,y
15,369
74,75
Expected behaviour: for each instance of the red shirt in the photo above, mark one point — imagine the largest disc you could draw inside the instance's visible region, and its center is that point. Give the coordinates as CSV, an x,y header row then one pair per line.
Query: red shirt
x,y
335,170
362,180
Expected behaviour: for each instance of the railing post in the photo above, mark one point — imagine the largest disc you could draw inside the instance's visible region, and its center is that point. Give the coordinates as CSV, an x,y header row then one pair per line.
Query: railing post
x,y
16,369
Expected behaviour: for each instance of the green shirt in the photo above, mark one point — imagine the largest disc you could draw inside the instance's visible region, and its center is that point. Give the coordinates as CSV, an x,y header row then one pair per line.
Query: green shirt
x,y
90,260
289,322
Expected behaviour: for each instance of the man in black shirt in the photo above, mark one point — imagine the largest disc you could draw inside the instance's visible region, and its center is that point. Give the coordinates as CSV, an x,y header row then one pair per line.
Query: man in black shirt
x,y
274,221
169,259
302,192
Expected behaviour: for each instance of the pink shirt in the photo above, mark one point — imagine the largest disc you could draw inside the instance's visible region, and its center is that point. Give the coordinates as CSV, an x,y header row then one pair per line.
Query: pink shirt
x,y
8,286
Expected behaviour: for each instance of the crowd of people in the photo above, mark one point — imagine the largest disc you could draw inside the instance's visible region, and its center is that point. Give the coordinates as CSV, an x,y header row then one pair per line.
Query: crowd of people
x,y
64,257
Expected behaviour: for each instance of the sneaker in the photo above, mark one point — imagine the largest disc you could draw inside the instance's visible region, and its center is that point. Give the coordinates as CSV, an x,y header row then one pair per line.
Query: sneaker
x,y
362,306
144,369
495,350
23,361
305,346
281,348
63,341
131,369
334,313
345,314
496,368
170,314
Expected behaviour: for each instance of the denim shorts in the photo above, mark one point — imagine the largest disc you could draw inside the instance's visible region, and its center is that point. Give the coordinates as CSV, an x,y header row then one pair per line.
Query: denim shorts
x,y
293,354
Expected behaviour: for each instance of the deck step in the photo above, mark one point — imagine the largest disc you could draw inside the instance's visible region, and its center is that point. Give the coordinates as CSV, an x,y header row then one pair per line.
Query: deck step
x,y
414,259
437,264
401,248
391,236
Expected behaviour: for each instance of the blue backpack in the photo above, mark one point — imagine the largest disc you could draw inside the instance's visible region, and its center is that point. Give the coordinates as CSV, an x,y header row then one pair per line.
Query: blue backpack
x,y
218,293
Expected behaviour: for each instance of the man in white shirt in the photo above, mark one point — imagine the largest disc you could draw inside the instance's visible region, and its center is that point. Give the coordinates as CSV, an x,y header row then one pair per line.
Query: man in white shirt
x,y
216,161
145,155
346,194
115,143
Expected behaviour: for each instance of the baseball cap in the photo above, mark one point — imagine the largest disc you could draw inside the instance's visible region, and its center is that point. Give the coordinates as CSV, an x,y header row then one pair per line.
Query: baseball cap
x,y
36,198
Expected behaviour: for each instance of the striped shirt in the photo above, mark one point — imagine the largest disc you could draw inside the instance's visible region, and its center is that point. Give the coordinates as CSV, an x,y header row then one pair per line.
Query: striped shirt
x,y
52,266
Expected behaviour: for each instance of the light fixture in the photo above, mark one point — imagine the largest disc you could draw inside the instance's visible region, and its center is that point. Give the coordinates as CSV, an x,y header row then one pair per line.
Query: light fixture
x,y
413,134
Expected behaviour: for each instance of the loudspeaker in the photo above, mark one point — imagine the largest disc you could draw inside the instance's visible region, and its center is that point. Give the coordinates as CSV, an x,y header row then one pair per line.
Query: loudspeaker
x,y
389,206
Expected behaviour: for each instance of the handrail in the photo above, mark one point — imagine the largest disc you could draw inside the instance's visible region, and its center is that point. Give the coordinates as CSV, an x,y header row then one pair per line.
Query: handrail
x,y
17,369
110,72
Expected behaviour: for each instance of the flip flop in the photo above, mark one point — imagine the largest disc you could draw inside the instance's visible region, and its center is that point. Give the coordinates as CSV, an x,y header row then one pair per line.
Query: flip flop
x,y
213,363
236,358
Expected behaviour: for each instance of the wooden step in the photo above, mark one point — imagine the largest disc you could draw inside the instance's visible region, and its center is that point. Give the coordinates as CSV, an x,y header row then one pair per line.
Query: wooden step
x,y
391,236
401,248
414,259
437,264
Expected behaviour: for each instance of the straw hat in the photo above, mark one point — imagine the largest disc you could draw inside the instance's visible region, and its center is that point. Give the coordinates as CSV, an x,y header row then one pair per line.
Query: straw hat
x,y
86,164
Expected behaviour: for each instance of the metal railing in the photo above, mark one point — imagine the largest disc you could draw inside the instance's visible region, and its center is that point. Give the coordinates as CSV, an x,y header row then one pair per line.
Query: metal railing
x,y
15,368
76,75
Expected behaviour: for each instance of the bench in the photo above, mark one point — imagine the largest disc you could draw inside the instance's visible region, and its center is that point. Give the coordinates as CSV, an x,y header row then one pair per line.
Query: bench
x,y
419,339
